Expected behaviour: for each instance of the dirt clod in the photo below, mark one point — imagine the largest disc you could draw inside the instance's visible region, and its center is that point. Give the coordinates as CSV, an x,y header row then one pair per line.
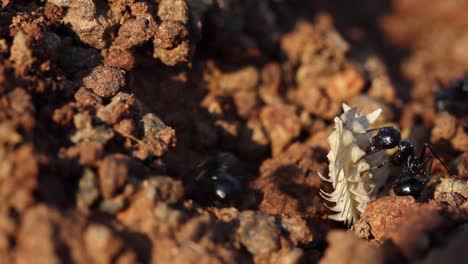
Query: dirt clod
x,y
281,124
105,81
266,238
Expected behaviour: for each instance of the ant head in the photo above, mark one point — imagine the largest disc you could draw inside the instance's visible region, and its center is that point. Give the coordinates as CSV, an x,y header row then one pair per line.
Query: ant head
x,y
387,138
405,150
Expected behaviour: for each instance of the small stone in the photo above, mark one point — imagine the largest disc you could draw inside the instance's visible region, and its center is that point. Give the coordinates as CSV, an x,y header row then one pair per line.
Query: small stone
x,y
451,185
105,81
258,232
346,248
21,53
100,243
113,205
170,34
8,134
132,33
61,3
119,58
176,10
87,152
118,107
445,126
92,28
244,79
246,102
86,131
344,85
171,57
88,191
113,173
157,137
316,102
297,229
86,97
282,125
163,189
460,140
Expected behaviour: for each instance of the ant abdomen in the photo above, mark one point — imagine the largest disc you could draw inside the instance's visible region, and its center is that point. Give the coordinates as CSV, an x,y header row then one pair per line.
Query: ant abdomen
x,y
216,180
409,186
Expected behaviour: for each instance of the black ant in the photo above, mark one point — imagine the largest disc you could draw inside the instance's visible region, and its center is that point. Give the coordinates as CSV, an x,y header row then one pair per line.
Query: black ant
x,y
215,180
454,99
412,165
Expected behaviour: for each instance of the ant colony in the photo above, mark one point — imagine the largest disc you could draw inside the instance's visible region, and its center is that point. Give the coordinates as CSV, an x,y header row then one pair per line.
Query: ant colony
x,y
357,164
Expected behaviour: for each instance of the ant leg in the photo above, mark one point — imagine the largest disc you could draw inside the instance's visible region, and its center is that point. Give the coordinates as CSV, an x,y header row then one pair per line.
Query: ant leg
x,y
428,146
427,173
380,165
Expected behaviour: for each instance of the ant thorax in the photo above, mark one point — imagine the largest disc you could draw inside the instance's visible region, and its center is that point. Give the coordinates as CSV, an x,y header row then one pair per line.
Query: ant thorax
x,y
354,185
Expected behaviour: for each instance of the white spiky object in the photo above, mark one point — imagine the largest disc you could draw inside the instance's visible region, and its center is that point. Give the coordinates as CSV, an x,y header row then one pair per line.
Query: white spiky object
x,y
353,184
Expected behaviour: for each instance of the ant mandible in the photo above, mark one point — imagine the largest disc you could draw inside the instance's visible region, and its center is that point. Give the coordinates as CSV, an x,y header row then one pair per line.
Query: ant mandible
x,y
412,165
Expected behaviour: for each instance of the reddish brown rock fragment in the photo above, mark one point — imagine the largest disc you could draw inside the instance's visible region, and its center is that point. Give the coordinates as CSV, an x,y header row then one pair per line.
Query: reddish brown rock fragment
x,y
445,126
21,53
344,85
118,107
298,230
101,244
113,173
88,190
157,137
170,34
246,102
90,24
451,185
22,167
281,124
105,81
64,115
314,101
176,10
381,87
36,237
460,140
290,184
243,79
258,232
119,58
346,248
171,57
87,153
271,78
402,220
133,32
85,97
